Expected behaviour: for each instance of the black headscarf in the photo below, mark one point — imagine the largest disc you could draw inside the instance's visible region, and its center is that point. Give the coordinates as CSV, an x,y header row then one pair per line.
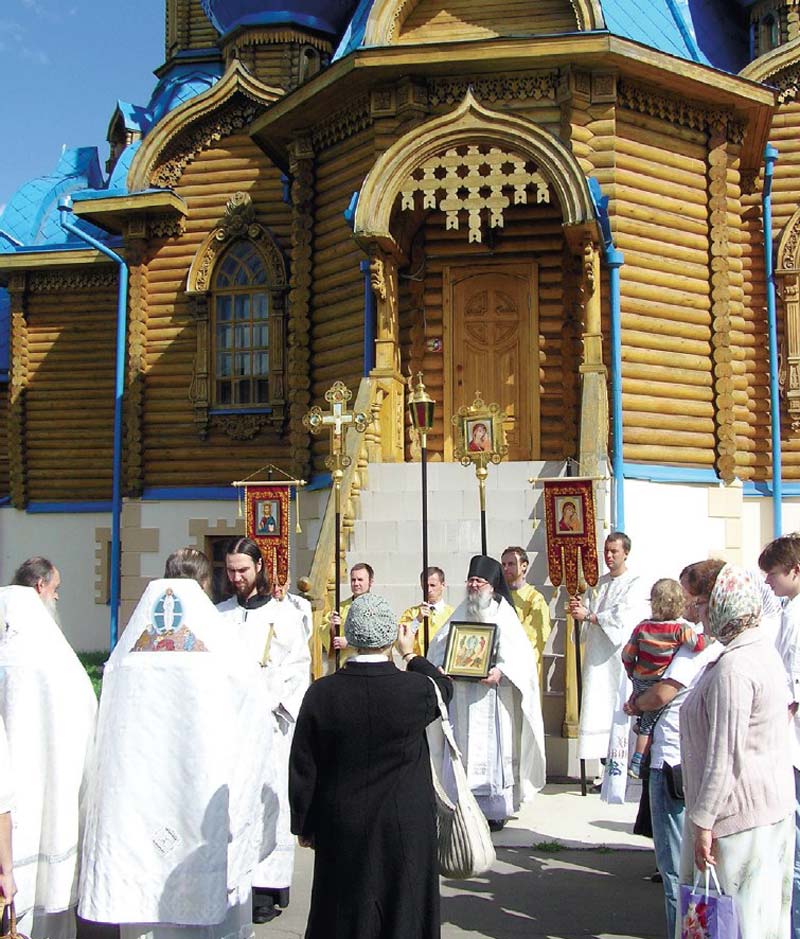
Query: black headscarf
x,y
490,570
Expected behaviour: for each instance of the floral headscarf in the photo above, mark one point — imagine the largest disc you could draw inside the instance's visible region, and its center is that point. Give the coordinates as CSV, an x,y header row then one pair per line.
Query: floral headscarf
x,y
734,605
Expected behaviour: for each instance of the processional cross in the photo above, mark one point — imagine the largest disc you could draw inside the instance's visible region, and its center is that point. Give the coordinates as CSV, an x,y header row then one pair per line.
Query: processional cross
x,y
336,421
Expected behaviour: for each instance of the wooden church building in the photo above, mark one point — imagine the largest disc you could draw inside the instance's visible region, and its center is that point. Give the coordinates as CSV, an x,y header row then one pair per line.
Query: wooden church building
x,y
559,204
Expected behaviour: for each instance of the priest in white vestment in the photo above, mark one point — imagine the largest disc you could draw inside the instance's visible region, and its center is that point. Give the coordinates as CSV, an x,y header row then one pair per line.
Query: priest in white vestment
x,y
609,612
49,710
174,829
275,635
497,721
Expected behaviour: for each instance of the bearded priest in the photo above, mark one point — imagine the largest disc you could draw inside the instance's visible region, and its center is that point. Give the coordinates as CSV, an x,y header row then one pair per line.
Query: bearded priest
x,y
498,718
273,628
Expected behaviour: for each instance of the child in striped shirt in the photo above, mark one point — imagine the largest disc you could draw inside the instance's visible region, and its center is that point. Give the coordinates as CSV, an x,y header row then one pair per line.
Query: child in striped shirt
x,y
649,651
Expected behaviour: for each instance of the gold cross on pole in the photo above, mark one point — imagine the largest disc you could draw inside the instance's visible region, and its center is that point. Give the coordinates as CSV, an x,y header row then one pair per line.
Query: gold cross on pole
x,y
337,420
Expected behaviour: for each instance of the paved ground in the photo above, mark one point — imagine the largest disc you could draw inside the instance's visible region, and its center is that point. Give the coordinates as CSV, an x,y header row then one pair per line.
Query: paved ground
x,y
567,868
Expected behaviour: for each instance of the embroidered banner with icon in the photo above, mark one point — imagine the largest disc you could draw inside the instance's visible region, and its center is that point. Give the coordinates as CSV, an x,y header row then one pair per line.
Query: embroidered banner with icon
x,y
267,523
570,518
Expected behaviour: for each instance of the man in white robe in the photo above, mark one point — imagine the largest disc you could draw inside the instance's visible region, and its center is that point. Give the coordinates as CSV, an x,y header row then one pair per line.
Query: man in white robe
x,y
609,613
174,827
275,634
49,710
498,720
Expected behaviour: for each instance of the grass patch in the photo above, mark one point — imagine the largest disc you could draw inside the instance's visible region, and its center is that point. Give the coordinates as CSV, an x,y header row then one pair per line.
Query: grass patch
x,y
549,847
93,662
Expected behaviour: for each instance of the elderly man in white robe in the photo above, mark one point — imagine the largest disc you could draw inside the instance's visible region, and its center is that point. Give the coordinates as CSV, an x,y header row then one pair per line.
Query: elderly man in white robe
x,y
498,720
274,634
49,710
174,828
609,613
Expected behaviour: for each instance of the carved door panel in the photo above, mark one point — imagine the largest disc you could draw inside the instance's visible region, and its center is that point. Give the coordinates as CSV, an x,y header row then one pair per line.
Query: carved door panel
x,y
492,327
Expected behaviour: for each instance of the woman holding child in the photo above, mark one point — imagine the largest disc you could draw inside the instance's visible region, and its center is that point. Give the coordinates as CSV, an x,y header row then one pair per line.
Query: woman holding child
x,y
735,757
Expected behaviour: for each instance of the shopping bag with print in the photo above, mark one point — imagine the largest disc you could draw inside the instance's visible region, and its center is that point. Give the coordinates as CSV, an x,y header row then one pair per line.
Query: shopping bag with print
x,y
706,912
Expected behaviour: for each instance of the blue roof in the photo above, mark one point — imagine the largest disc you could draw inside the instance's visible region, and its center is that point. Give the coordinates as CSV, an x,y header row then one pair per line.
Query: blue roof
x,y
706,31
183,81
31,220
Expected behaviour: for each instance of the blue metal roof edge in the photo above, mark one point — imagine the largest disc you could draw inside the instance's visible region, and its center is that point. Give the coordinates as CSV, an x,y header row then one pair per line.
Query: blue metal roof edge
x,y
684,30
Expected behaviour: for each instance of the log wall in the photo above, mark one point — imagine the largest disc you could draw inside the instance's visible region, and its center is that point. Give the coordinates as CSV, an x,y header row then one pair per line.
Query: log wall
x,y
438,21
173,454
337,303
659,210
69,403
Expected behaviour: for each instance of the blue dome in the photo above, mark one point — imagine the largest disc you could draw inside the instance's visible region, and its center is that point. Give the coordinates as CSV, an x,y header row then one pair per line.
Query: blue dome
x,y
325,16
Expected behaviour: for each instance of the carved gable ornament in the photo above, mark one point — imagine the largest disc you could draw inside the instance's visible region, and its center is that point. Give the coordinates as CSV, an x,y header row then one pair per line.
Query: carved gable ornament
x,y
474,180
239,221
386,19
473,162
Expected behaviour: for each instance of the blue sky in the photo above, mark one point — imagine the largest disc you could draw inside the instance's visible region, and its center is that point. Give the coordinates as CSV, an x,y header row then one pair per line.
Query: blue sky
x,y
63,65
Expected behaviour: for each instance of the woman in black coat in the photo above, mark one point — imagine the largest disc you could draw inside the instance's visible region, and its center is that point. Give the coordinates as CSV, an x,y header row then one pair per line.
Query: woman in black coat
x,y
360,786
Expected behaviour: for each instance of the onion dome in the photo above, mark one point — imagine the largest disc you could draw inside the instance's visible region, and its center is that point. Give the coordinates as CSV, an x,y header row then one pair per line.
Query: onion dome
x,y
323,16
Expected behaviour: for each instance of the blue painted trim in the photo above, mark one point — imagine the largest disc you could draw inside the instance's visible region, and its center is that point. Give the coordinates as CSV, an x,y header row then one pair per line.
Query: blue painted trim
x,y
68,508
770,159
64,210
225,411
320,481
370,314
350,212
116,242
670,474
614,261
189,493
764,490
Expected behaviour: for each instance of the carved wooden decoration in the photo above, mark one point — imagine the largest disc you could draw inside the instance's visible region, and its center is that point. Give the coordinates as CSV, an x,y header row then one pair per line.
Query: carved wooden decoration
x,y
788,273
299,325
17,456
474,180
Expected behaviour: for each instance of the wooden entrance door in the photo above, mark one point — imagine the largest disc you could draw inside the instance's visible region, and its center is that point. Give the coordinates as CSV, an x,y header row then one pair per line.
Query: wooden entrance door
x,y
490,316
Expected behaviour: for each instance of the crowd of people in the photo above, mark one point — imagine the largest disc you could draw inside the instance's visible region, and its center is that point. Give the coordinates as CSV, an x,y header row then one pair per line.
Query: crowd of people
x,y
174,808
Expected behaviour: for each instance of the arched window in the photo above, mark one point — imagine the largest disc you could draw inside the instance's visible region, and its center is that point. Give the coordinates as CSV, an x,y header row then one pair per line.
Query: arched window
x,y
241,313
310,63
770,33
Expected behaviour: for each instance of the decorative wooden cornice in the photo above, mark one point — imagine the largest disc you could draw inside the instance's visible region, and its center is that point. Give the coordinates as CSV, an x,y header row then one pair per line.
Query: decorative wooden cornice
x,y
533,86
386,19
344,123
229,105
468,125
278,36
59,280
678,111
